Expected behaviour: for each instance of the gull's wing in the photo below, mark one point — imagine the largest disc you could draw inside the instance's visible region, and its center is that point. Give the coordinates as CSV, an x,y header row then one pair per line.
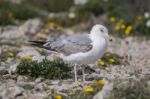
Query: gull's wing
x,y
69,45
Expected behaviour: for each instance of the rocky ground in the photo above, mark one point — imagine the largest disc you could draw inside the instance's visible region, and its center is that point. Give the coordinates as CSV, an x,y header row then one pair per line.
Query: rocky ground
x,y
13,48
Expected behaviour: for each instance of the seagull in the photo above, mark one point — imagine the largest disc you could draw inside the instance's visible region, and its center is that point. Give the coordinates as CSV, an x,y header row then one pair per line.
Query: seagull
x,y
79,49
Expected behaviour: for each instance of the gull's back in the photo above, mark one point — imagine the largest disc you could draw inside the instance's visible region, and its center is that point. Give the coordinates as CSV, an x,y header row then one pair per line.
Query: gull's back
x,y
67,46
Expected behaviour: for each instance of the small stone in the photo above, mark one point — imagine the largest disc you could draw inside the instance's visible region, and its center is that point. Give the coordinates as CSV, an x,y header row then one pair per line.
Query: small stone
x,y
13,68
38,80
37,96
38,58
52,82
27,85
12,92
39,87
21,78
3,72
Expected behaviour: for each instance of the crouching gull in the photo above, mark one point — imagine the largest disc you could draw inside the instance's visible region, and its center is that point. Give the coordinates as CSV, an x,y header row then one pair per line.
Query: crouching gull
x,y
79,49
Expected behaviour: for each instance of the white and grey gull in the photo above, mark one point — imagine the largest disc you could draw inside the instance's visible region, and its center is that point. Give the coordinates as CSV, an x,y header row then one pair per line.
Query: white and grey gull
x,y
79,49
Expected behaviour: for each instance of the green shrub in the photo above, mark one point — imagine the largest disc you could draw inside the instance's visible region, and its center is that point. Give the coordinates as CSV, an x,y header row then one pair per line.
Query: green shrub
x,y
56,69
132,90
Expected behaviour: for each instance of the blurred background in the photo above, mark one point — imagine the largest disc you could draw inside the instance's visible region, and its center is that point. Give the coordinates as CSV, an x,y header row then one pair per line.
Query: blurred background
x,y
25,73
129,17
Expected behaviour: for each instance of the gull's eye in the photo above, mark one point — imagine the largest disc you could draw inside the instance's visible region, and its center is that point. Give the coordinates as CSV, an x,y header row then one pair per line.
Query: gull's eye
x,y
101,30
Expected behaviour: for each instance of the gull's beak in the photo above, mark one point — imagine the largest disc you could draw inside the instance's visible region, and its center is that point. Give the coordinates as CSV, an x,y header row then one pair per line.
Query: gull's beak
x,y
108,37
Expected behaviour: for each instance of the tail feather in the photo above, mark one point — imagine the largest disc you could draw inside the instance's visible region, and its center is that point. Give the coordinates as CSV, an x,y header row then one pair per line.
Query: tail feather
x,y
41,45
37,43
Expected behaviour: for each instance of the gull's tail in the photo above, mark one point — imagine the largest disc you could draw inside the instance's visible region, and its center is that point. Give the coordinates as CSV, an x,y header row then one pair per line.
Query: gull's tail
x,y
41,44
37,43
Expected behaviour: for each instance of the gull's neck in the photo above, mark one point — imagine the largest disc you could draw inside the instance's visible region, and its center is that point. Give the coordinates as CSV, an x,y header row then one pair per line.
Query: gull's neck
x,y
95,37
98,41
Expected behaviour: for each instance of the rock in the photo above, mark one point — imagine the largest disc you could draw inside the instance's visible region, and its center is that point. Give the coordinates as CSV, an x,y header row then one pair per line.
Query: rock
x,y
38,58
40,87
37,96
21,78
11,32
38,80
12,92
27,85
63,87
28,51
13,68
52,82
32,26
3,70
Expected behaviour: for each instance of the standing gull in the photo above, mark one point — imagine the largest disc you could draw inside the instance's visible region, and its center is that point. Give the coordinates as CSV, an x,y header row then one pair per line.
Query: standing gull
x,y
79,49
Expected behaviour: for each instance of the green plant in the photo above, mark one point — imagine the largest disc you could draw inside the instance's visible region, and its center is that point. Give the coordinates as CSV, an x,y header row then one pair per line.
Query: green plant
x,y
56,69
132,90
12,13
51,5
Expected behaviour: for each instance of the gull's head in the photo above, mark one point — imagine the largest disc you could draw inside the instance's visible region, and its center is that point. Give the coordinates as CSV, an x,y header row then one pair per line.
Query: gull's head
x,y
99,31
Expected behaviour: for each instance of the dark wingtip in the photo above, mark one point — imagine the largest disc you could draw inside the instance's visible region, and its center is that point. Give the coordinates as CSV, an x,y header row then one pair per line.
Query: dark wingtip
x,y
37,43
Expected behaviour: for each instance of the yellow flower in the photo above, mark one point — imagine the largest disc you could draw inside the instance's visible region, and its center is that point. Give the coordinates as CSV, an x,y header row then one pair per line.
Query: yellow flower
x,y
101,82
117,26
60,28
28,57
10,54
46,30
89,89
22,46
101,63
58,97
50,24
128,30
139,17
111,60
112,19
122,26
106,54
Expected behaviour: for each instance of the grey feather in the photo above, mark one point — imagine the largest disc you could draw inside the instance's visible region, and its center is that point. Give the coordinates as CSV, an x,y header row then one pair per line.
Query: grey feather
x,y
70,45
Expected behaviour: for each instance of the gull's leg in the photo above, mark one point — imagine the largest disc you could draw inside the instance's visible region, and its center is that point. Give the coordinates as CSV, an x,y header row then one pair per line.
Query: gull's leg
x,y
75,73
83,74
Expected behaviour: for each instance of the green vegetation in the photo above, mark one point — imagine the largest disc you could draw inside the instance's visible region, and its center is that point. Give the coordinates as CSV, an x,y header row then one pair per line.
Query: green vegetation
x,y
139,89
51,5
111,59
56,69
12,13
